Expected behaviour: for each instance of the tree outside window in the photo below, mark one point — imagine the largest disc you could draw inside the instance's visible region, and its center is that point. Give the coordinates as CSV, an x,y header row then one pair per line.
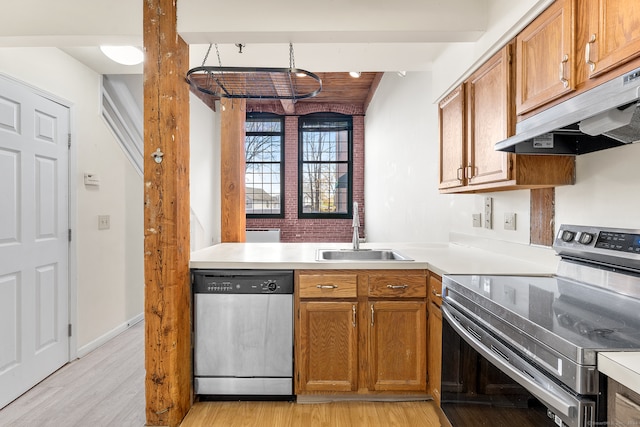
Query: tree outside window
x,y
264,141
325,166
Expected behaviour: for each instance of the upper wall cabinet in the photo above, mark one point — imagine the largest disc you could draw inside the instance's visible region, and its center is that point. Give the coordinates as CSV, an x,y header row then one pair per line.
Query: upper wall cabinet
x,y
613,36
489,119
473,118
545,57
451,114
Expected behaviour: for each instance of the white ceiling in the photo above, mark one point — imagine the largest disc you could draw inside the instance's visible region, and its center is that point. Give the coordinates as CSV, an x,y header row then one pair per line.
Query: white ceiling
x,y
331,35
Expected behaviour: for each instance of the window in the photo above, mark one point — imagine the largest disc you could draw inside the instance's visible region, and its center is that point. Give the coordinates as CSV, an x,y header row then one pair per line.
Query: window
x,y
325,169
264,151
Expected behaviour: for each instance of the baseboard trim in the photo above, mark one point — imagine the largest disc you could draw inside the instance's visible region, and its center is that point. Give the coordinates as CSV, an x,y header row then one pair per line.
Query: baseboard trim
x,y
88,348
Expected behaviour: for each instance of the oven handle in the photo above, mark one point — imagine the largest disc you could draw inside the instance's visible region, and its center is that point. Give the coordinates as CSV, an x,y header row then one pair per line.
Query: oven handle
x,y
566,407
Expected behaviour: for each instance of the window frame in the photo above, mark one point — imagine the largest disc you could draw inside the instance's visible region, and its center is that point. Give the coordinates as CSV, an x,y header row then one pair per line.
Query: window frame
x,y
270,117
319,118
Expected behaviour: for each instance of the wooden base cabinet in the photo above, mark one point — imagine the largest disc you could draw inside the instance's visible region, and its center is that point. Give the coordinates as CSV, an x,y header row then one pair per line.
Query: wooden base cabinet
x,y
328,356
435,337
623,405
361,331
398,345
435,352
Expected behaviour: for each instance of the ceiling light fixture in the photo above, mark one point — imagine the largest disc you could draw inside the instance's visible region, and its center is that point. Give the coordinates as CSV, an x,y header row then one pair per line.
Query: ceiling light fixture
x,y
125,55
355,74
402,73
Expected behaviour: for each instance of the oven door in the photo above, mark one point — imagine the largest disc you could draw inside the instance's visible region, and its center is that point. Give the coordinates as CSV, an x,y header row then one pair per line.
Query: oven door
x,y
490,384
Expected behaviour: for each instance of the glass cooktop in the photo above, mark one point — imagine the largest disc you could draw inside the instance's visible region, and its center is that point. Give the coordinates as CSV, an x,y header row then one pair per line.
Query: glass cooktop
x,y
552,309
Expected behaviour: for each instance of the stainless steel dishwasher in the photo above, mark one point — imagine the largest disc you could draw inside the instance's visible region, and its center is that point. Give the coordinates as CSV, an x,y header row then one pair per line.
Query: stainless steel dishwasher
x,y
243,333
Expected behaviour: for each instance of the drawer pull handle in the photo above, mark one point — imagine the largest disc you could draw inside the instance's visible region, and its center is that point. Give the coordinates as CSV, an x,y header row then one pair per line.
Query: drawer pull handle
x,y
587,53
397,286
372,315
327,286
435,294
353,314
563,63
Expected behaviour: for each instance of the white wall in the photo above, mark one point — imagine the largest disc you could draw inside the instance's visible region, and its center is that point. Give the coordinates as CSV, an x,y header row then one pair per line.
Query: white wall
x,y
402,203
607,190
110,274
204,174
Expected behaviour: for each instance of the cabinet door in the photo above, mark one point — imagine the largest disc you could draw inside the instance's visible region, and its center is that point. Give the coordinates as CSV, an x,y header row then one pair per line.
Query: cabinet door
x,y
545,58
435,289
327,346
451,115
489,119
397,345
623,405
434,358
614,34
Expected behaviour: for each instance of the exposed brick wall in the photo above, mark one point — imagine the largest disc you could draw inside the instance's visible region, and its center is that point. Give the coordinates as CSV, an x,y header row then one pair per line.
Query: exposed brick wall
x,y
291,228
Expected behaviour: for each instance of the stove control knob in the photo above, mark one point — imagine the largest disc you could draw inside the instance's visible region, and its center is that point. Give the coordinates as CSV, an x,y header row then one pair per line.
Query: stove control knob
x,y
584,238
567,236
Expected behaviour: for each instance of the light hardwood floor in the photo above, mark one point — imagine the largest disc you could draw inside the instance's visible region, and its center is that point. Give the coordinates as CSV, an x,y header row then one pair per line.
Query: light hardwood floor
x,y
106,389
333,414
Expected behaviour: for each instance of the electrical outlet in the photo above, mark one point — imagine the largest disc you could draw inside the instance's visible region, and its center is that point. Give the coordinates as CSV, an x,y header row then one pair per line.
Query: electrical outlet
x,y
477,220
104,222
488,212
509,221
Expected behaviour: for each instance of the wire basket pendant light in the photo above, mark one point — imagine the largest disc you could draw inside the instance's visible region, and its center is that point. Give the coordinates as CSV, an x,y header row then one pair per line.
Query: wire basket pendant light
x,y
254,82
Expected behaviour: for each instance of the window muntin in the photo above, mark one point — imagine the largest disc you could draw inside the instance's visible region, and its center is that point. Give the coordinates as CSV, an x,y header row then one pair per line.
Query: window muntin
x,y
325,172
264,167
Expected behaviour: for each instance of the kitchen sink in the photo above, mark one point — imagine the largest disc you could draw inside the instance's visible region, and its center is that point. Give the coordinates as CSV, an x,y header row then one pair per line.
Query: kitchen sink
x,y
360,255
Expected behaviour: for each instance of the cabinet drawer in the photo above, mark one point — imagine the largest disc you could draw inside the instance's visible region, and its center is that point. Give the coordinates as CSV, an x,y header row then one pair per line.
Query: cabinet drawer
x,y
400,285
328,285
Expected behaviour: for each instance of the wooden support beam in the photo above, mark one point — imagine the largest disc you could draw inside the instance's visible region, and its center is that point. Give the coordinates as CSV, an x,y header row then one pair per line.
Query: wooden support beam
x,y
166,217
232,162
542,212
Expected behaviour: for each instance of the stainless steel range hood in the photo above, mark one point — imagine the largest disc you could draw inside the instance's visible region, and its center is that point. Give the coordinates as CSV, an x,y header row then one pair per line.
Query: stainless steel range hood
x,y
603,117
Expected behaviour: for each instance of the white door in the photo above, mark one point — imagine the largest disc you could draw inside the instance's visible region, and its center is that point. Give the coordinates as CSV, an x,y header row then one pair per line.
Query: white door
x,y
34,247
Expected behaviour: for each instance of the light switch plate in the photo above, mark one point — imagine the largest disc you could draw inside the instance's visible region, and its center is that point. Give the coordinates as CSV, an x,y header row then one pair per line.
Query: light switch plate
x,y
488,212
477,220
509,221
91,179
104,222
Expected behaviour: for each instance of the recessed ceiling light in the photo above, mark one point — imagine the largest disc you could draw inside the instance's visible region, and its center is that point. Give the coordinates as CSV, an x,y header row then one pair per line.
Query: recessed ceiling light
x,y
125,55
354,74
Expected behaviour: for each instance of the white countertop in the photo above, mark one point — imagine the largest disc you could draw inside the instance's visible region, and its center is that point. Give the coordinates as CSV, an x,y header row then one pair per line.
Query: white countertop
x,y
441,258
623,367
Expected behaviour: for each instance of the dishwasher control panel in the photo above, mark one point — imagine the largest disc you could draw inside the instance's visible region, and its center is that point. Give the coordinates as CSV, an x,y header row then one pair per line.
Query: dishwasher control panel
x,y
206,281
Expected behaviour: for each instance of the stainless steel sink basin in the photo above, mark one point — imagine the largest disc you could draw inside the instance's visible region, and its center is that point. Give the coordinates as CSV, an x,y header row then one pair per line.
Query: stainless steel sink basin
x,y
360,255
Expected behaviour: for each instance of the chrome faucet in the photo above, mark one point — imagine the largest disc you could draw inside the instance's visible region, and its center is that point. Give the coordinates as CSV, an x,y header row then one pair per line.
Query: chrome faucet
x,y
356,225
